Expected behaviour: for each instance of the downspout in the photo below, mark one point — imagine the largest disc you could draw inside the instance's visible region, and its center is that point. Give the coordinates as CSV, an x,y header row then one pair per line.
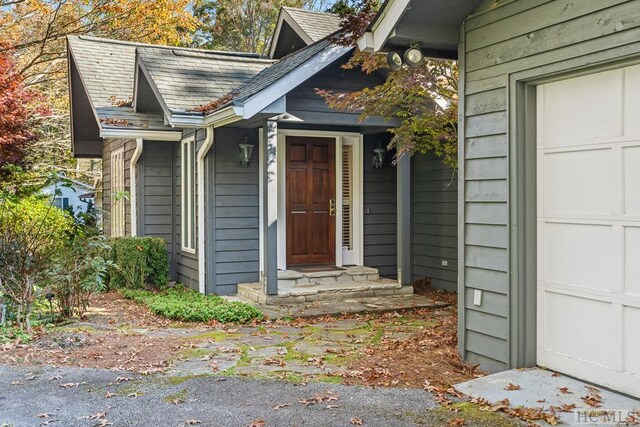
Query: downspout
x,y
202,156
133,173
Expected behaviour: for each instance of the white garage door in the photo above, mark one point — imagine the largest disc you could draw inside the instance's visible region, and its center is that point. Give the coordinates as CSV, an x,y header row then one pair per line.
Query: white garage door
x,y
589,228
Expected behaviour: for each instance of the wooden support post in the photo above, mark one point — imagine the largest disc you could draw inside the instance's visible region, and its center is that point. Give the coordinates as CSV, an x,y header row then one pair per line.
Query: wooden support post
x,y
269,206
403,182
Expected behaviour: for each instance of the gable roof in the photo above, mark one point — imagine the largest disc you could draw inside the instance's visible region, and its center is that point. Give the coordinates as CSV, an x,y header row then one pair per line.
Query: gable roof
x,y
186,78
308,25
316,25
111,76
106,68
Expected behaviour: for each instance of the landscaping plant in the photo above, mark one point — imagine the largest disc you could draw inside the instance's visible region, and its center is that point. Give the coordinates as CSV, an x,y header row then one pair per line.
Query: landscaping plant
x,y
138,261
32,233
184,304
80,270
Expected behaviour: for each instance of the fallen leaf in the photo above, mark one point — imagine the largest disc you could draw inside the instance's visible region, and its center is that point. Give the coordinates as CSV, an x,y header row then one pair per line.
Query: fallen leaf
x,y
281,405
565,390
192,422
555,374
257,423
109,395
357,421
456,422
512,387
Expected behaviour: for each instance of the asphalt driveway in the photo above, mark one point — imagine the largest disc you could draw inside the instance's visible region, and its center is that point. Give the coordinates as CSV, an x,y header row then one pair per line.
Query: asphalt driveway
x,y
93,397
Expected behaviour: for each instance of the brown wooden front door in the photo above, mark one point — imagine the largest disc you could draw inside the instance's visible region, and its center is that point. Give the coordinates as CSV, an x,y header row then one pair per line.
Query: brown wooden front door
x,y
311,194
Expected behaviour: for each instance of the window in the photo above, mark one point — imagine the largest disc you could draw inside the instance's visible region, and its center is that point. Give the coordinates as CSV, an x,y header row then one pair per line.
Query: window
x,y
187,194
61,202
117,193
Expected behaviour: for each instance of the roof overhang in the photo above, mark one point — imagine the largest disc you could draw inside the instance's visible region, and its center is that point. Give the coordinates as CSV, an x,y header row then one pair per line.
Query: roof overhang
x,y
433,24
132,133
270,101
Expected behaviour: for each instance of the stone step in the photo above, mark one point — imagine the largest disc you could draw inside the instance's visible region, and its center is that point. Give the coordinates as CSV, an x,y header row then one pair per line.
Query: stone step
x,y
291,278
324,292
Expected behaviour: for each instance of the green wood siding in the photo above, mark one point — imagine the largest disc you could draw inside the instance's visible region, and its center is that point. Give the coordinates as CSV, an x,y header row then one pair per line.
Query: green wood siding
x,y
434,219
531,38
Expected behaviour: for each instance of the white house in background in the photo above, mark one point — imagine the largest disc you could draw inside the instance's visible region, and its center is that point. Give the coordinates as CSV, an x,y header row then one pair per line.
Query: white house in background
x,y
77,196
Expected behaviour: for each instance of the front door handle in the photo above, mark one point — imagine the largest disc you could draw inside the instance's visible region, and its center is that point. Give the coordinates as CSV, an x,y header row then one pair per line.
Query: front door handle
x,y
332,207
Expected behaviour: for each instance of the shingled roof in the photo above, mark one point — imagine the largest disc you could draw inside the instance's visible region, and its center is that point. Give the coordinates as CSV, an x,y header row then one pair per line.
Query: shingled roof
x,y
187,81
316,25
107,69
189,78
278,70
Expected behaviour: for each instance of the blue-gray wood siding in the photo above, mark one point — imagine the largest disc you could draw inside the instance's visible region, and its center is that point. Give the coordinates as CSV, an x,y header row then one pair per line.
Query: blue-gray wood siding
x,y
536,37
380,209
186,264
155,193
108,146
304,102
236,234
434,221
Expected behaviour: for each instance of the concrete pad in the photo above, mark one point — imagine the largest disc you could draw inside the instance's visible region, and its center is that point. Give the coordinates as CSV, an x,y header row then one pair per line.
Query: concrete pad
x,y
538,384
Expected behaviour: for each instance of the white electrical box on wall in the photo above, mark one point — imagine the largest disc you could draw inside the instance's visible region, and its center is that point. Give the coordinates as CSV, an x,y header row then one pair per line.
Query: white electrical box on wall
x,y
477,297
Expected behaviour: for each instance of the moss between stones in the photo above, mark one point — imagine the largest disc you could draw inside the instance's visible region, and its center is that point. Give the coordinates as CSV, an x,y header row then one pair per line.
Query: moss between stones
x,y
469,412
178,397
218,336
330,379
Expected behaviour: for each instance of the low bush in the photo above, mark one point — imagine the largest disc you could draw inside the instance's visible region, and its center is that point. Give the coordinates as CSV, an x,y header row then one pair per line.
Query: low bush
x,y
181,303
80,270
139,260
10,335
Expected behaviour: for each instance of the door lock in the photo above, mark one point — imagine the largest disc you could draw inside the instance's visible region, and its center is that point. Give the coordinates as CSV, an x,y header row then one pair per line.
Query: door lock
x,y
332,207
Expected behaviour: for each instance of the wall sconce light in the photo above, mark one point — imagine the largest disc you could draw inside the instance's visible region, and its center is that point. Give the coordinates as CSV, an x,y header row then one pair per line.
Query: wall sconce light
x,y
245,153
413,57
378,157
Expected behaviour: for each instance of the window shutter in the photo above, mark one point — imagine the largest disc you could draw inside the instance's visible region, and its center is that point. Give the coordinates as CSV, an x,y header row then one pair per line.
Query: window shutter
x,y
347,197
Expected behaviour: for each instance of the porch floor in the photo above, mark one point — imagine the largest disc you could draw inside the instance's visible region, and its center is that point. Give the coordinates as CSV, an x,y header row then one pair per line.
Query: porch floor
x,y
348,283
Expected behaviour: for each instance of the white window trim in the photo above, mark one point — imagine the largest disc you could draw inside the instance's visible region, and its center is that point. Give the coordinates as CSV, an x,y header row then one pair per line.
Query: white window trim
x,y
352,138
187,195
118,227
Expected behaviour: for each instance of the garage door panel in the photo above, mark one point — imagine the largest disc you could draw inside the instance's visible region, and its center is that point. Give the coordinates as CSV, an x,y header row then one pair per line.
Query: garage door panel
x,y
589,340
631,261
588,228
578,182
632,103
631,339
632,178
572,116
578,254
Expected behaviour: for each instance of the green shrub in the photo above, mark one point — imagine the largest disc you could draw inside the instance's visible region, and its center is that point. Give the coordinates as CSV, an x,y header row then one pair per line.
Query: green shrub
x,y
80,270
139,260
32,233
181,303
10,335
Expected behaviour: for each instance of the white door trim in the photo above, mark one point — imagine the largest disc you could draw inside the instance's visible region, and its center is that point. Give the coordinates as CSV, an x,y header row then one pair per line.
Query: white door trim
x,y
352,138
